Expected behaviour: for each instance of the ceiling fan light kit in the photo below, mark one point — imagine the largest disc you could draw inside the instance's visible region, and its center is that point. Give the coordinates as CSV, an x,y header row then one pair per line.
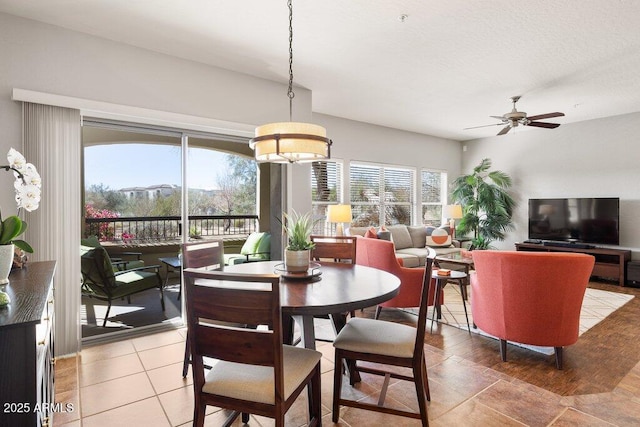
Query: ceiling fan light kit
x,y
290,142
514,118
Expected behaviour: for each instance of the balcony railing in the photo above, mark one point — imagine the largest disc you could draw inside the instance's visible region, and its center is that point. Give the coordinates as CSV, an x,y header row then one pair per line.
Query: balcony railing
x,y
168,229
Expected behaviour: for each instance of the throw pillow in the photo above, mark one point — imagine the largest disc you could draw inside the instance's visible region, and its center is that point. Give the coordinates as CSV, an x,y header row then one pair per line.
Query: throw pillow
x,y
438,237
371,233
401,237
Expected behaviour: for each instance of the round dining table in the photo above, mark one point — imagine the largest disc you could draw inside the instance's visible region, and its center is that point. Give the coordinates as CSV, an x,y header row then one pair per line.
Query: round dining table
x,y
330,289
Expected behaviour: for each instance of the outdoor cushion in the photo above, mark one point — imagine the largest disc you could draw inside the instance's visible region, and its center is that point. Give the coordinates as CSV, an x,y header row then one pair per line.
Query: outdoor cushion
x,y
251,244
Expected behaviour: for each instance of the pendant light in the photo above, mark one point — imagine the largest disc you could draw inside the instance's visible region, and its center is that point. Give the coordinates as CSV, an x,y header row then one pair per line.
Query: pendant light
x,y
290,142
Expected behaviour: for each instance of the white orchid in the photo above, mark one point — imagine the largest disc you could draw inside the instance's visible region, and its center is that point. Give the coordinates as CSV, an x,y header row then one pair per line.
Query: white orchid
x,y
27,186
16,160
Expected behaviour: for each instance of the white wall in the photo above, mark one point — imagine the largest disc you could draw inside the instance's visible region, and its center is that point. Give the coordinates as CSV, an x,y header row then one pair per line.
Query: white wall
x,y
595,158
358,141
50,59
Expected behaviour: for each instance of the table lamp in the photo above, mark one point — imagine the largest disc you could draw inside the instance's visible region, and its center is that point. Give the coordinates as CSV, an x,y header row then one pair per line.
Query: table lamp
x,y
452,212
339,214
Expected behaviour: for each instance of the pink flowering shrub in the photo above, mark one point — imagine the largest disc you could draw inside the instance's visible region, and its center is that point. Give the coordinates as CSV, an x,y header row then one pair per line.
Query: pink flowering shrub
x,y
105,231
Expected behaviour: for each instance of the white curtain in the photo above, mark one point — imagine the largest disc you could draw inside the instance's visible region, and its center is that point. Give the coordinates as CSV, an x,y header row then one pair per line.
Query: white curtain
x,y
53,143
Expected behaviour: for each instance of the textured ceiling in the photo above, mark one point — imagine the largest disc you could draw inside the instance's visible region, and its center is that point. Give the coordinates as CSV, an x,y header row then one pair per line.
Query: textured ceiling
x,y
448,66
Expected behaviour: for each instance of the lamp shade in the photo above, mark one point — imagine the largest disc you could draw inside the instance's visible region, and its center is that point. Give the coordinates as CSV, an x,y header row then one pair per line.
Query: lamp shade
x,y
452,211
339,213
289,142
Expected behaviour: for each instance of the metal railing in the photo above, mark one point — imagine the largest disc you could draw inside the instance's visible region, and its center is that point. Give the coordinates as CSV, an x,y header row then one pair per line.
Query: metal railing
x,y
161,229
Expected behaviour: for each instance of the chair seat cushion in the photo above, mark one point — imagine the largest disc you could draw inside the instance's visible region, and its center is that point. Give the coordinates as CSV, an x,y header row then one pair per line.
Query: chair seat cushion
x,y
134,281
255,383
377,337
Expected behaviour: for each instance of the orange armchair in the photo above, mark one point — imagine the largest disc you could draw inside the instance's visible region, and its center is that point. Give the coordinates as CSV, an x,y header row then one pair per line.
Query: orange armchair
x,y
530,297
381,254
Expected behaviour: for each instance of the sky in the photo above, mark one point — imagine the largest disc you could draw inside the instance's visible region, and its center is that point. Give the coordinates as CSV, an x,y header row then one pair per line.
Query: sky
x,y
140,165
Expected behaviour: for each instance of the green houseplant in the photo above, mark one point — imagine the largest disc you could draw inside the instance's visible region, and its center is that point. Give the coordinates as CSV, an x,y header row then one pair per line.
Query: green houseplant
x,y
487,205
298,228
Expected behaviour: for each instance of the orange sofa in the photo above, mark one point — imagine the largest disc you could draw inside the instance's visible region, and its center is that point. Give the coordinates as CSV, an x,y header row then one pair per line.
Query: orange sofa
x,y
381,254
530,297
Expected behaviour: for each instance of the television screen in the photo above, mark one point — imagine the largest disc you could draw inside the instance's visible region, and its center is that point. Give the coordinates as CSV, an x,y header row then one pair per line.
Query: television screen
x,y
586,220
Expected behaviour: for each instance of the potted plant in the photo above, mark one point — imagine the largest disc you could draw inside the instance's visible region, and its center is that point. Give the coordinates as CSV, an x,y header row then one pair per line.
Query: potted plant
x,y
298,228
27,186
487,205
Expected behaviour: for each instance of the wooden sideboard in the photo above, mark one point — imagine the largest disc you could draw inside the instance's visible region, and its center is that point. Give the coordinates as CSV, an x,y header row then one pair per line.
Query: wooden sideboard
x,y
610,263
26,348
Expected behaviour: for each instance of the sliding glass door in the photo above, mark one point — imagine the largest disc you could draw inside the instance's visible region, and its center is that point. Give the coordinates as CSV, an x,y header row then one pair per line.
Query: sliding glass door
x,y
136,206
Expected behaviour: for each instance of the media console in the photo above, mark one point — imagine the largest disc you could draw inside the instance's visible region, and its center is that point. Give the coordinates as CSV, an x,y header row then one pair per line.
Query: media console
x,y
610,263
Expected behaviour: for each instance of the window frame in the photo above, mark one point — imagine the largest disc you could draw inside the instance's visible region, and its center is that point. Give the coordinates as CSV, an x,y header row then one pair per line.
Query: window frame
x,y
384,203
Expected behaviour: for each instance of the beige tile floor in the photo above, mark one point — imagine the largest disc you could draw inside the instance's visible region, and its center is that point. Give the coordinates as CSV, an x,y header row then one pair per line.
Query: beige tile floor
x,y
138,382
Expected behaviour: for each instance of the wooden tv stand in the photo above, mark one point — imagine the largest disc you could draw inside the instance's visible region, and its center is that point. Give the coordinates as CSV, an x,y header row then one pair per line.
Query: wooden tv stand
x,y
610,263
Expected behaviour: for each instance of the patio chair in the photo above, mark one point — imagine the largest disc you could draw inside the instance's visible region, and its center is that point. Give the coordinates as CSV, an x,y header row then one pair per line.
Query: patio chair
x,y
257,247
124,261
100,281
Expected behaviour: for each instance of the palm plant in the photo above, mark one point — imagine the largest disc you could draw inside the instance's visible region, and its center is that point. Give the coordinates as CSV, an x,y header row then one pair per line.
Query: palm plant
x,y
487,205
298,228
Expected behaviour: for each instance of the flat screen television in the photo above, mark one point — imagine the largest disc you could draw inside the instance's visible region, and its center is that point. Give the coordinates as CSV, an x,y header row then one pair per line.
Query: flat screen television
x,y
580,220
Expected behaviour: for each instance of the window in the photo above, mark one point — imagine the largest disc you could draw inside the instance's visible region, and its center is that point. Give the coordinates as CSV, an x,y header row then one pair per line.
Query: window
x,y
433,196
381,194
326,189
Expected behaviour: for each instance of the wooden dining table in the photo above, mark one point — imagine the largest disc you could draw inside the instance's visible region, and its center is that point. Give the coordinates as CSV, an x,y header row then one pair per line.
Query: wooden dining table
x,y
334,289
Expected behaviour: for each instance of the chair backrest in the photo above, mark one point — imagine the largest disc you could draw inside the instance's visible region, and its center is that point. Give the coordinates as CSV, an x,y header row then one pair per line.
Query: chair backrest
x,y
424,302
377,253
97,270
234,298
337,248
207,255
530,297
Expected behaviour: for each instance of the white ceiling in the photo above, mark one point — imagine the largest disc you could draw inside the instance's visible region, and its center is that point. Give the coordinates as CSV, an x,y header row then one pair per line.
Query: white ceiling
x,y
449,65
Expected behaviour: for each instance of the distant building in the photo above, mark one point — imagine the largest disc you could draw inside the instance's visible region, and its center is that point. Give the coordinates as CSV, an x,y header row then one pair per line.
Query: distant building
x,y
151,192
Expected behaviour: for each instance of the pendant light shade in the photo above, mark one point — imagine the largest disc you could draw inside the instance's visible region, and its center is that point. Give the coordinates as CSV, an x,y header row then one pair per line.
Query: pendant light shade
x,y
290,142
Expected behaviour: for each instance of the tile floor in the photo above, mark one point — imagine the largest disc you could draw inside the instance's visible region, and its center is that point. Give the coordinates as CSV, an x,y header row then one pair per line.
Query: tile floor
x,y
138,382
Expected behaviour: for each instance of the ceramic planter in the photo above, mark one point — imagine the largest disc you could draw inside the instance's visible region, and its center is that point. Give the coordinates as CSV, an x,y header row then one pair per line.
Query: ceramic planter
x,y
296,261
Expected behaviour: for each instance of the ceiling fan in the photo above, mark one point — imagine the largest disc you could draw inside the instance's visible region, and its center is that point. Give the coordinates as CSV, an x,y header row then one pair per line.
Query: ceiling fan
x,y
515,118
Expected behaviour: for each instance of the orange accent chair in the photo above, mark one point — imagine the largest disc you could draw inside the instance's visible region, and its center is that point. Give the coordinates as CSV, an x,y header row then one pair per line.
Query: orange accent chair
x,y
381,254
530,297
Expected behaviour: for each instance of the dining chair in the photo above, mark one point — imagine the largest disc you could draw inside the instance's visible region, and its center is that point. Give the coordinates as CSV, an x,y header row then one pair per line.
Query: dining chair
x,y
208,255
253,371
385,343
335,249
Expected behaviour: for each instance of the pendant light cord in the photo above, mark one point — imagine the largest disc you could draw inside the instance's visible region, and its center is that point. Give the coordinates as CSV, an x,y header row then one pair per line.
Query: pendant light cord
x,y
290,93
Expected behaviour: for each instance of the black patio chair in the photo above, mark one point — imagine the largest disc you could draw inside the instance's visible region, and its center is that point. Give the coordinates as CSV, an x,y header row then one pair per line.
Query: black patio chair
x,y
100,281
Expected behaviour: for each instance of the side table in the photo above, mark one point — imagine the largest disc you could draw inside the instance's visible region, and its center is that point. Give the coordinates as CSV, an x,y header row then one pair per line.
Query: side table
x,y
441,282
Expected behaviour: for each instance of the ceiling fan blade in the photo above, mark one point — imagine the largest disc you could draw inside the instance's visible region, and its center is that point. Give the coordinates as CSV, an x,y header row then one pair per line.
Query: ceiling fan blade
x,y
544,125
504,130
545,116
483,126
499,118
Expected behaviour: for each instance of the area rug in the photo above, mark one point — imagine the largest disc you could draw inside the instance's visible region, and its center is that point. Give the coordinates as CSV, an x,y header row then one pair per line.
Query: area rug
x,y
596,306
